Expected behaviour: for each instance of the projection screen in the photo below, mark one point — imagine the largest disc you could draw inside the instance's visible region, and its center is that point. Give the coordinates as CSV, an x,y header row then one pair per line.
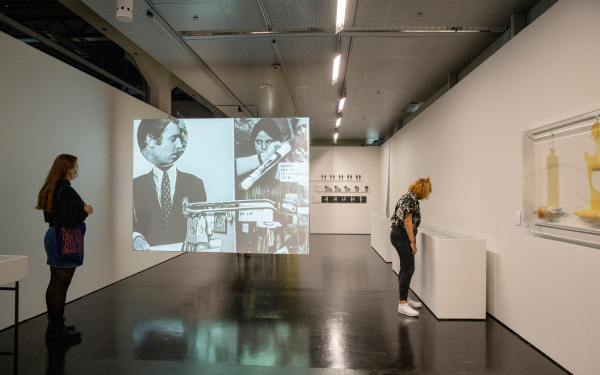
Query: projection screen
x,y
221,185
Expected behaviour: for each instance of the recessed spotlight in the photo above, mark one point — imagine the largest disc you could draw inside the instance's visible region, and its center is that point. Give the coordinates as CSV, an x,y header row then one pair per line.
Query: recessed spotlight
x,y
276,66
265,86
302,86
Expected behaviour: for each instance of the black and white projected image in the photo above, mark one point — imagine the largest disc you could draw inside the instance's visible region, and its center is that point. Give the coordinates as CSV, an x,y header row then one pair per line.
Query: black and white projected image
x,y
221,185
272,178
178,161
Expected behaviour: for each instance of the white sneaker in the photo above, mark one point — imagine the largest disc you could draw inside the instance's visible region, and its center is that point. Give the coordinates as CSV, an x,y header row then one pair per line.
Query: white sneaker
x,y
414,304
404,308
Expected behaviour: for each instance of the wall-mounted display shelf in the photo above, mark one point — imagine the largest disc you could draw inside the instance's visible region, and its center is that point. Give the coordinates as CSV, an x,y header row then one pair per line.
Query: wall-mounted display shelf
x,y
342,188
345,177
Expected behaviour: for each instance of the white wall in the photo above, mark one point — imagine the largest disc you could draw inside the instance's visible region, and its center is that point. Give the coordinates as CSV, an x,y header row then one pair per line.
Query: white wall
x,y
469,143
345,218
48,108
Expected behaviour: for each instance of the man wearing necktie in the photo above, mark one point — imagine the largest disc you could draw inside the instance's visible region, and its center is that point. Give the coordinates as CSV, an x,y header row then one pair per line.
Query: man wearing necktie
x,y
158,195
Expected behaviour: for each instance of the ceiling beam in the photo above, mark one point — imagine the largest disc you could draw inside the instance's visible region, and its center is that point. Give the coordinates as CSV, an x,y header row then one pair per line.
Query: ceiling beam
x,y
351,32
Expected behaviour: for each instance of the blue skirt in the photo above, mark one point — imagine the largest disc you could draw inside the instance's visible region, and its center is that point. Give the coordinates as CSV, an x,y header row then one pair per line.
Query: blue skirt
x,y
52,251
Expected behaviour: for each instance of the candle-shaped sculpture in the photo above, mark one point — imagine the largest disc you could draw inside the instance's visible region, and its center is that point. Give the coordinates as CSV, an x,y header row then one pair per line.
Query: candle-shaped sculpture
x,y
552,207
593,164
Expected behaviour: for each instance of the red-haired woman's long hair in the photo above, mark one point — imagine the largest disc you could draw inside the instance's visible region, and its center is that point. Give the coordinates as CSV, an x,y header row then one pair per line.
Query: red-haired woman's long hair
x,y
60,170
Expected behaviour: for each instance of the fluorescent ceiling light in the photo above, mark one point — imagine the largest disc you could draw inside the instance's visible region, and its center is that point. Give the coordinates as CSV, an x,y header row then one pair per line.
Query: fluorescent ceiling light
x,y
336,69
341,13
341,106
335,135
338,122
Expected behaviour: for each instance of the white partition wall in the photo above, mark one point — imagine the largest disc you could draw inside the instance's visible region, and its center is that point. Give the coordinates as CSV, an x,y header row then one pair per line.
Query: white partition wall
x,y
469,144
380,237
48,108
344,218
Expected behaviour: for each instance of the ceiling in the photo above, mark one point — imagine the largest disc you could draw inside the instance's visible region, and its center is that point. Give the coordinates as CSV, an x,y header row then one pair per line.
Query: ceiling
x,y
274,58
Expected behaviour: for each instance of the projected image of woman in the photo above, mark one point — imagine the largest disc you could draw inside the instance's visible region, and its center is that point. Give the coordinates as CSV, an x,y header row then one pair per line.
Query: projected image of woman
x,y
65,213
264,141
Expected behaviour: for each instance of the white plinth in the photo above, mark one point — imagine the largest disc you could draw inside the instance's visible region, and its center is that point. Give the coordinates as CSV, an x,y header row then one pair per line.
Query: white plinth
x,y
450,273
13,268
380,237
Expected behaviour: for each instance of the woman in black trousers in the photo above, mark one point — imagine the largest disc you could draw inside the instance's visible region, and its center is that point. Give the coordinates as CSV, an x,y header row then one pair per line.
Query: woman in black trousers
x,y
405,221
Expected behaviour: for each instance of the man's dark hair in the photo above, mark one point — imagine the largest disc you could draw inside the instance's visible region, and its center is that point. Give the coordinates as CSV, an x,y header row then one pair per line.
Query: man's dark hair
x,y
154,128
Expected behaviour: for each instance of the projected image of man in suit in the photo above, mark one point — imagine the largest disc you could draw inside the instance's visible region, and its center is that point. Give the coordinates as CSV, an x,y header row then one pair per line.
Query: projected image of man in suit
x,y
158,195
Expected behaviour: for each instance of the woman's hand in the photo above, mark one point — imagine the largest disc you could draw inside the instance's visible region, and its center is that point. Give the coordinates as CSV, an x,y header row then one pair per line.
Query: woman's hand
x,y
273,147
413,246
89,209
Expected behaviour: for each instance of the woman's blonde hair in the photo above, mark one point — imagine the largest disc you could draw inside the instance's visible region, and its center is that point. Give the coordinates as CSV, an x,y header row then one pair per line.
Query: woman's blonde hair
x,y
421,188
60,170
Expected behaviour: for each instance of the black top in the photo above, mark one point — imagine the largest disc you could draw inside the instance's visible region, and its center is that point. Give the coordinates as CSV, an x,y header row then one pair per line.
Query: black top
x,y
68,207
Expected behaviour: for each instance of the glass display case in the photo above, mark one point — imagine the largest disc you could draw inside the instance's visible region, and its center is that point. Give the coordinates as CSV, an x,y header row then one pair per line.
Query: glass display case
x,y
561,179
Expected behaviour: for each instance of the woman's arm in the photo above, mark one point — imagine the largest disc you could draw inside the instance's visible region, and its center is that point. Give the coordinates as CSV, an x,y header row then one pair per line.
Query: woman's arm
x,y
71,210
246,164
408,226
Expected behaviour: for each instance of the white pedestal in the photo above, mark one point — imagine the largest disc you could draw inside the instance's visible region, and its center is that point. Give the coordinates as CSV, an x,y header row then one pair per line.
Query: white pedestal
x,y
450,273
13,268
380,237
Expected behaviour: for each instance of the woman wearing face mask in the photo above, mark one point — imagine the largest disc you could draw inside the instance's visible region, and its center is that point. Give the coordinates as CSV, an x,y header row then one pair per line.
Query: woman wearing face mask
x,y
65,212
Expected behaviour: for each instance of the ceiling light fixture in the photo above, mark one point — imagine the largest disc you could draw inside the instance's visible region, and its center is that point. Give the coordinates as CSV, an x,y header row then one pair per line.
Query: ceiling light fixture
x,y
336,69
412,107
341,14
342,101
265,86
335,135
338,122
125,10
341,105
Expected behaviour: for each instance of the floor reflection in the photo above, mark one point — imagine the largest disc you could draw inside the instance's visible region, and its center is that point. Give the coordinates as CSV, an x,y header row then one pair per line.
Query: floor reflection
x,y
406,356
330,312
55,359
267,343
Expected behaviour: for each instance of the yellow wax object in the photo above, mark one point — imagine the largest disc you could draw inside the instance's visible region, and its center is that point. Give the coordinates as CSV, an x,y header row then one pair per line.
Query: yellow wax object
x,y
593,164
589,214
552,166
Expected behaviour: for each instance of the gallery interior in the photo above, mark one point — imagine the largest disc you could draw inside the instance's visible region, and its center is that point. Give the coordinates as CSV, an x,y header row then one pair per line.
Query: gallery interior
x,y
473,95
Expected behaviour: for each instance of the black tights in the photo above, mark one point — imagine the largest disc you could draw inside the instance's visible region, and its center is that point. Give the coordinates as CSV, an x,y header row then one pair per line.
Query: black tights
x,y
56,294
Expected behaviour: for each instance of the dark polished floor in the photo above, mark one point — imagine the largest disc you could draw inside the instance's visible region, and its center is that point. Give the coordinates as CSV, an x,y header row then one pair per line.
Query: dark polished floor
x,y
331,312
